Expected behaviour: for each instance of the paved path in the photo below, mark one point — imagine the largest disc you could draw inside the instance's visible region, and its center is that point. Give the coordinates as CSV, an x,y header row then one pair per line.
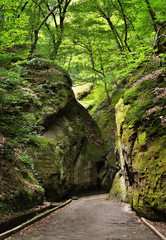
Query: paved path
x,y
90,218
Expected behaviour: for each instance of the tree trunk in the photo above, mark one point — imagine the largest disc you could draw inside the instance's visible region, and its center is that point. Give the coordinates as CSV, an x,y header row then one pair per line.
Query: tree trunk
x,y
116,35
84,63
56,47
105,80
152,14
126,26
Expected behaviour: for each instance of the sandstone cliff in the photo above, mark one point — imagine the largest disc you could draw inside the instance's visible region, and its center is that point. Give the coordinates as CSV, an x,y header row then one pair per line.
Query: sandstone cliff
x,y
141,146
47,137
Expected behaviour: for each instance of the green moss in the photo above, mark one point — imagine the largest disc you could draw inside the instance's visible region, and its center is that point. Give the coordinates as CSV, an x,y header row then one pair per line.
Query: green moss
x,y
46,150
162,141
106,122
128,134
22,191
142,138
143,208
136,74
141,125
149,197
92,153
41,142
118,189
116,95
26,201
121,111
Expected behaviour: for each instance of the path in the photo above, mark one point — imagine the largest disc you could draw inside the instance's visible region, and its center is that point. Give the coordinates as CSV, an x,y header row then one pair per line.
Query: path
x,y
89,218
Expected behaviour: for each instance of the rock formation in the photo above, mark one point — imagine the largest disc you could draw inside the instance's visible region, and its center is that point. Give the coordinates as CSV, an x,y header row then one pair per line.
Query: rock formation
x,y
140,146
69,155
46,137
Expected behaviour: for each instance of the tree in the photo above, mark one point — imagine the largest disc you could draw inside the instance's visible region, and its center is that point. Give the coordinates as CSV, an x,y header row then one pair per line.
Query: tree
x,y
59,16
79,30
33,45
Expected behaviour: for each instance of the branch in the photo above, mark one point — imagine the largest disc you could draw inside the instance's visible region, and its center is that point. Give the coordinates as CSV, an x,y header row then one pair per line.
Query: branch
x,y
95,70
152,14
127,20
63,13
158,32
43,16
126,26
55,22
22,9
33,45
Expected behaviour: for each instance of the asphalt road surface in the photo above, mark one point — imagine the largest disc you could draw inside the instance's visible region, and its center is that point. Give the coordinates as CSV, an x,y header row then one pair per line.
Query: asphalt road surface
x,y
89,218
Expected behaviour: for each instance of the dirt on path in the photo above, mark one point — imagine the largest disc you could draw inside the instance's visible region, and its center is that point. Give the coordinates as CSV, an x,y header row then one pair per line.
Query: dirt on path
x,y
89,218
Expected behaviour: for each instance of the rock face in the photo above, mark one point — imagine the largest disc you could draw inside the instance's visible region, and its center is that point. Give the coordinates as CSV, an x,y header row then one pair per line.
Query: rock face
x,y
141,146
69,155
46,137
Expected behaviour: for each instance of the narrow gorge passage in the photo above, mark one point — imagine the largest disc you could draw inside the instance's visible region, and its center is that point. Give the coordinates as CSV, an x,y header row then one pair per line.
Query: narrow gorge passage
x,y
89,218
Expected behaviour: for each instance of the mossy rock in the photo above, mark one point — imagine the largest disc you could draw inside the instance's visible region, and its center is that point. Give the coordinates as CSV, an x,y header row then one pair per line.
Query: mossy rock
x,y
121,111
149,189
69,154
82,91
19,188
141,145
118,189
146,106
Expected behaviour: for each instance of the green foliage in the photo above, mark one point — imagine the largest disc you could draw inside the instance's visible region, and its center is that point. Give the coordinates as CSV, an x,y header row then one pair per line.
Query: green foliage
x,y
90,48
163,58
39,63
14,98
26,159
13,32
82,39
93,153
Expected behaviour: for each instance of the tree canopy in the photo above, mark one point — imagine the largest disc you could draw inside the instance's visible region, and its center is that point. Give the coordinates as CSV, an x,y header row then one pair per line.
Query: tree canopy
x,y
95,38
